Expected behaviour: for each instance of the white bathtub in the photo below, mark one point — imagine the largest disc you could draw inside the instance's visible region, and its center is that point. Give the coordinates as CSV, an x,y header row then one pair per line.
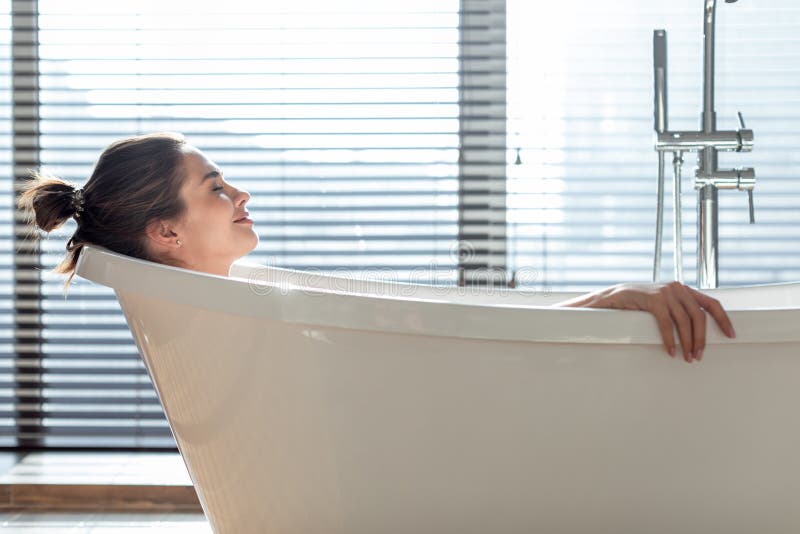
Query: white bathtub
x,y
306,411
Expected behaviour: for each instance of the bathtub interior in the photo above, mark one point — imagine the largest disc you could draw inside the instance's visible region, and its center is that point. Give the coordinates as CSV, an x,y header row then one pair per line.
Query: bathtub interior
x,y
753,297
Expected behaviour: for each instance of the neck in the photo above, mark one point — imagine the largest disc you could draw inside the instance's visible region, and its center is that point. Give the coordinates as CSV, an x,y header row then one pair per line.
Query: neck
x,y
211,266
221,269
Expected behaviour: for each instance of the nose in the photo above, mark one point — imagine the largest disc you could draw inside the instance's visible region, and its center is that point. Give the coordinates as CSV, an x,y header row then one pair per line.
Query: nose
x,y
242,197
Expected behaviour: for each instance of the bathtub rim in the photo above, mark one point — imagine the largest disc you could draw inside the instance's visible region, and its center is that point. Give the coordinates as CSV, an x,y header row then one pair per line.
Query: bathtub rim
x,y
326,308
244,269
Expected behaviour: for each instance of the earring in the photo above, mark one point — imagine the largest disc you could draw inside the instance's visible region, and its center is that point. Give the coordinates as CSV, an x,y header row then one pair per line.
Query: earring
x,y
178,242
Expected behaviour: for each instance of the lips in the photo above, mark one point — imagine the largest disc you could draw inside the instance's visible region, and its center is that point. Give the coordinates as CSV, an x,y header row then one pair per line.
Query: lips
x,y
242,217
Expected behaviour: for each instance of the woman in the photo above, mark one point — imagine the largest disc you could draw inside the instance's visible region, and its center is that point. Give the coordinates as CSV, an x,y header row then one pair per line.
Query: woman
x,y
158,198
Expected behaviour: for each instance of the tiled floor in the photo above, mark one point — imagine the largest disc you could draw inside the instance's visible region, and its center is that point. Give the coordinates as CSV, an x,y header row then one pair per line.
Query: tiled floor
x,y
57,522
97,468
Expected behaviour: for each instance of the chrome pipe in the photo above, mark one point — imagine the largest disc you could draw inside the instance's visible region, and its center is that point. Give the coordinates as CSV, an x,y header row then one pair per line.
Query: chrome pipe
x,y
707,163
659,219
660,80
709,20
709,115
707,252
660,125
677,232
727,141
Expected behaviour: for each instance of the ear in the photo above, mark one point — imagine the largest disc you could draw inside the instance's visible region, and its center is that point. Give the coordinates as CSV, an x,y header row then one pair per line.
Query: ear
x,y
161,234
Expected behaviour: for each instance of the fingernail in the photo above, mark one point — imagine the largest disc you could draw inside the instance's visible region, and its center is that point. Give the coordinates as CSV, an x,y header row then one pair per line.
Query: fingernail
x,y
700,354
672,351
689,356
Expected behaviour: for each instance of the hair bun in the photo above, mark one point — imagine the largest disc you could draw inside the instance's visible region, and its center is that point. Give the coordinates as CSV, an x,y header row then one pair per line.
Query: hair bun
x,y
50,201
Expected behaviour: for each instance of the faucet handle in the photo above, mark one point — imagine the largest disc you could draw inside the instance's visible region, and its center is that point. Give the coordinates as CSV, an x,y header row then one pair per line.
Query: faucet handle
x,y
747,181
745,136
751,174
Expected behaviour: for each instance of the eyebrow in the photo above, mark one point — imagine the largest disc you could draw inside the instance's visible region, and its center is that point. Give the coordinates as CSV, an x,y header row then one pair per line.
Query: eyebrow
x,y
212,174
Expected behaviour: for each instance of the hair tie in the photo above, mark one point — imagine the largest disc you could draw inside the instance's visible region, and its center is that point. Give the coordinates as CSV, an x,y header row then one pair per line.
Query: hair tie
x,y
77,201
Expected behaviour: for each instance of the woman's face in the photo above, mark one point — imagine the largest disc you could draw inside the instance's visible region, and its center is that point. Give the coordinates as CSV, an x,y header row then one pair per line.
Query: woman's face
x,y
214,230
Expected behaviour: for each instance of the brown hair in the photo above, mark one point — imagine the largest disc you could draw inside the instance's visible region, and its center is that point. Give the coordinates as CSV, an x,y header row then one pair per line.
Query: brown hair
x,y
136,181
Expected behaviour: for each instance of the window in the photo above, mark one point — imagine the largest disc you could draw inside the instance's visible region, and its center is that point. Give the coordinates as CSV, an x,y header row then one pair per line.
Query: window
x,y
582,202
341,120
418,140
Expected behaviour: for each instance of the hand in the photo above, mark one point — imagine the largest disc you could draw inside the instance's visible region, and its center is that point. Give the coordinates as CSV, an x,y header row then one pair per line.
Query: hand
x,y
671,302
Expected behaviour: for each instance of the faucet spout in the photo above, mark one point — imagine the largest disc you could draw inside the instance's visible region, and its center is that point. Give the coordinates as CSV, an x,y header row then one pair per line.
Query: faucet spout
x,y
709,18
709,115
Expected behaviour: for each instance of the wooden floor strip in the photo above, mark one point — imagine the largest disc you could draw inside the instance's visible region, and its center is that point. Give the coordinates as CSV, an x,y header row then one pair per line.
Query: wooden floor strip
x,y
113,497
93,481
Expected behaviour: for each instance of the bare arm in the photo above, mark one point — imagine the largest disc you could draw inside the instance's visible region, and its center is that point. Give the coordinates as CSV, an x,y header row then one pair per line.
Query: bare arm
x,y
671,303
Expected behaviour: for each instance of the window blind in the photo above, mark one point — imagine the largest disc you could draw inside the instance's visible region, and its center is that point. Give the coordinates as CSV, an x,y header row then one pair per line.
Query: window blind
x,y
428,141
482,170
8,300
582,200
342,121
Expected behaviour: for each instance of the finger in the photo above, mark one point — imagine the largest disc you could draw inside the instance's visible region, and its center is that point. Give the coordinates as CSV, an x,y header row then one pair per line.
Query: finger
x,y
681,320
667,331
698,318
714,307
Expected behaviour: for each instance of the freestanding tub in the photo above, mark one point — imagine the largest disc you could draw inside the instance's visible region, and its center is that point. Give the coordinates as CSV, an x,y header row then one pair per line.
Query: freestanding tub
x,y
426,410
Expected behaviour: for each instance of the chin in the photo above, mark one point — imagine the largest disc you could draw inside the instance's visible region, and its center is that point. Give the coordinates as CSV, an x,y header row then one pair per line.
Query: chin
x,y
250,245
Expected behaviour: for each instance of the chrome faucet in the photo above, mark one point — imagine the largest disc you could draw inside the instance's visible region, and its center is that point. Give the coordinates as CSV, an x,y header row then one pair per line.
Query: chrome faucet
x,y
708,141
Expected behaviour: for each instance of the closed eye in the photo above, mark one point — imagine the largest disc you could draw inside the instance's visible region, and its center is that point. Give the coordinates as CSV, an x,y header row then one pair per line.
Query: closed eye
x,y
218,188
